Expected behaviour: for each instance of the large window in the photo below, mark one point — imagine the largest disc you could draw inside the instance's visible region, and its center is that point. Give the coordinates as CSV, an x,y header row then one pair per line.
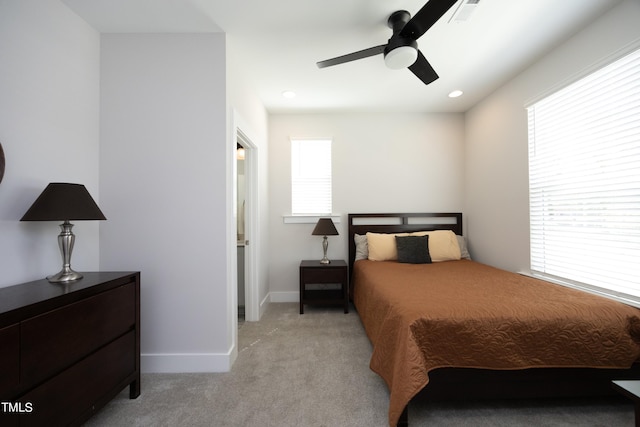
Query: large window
x,y
311,176
584,181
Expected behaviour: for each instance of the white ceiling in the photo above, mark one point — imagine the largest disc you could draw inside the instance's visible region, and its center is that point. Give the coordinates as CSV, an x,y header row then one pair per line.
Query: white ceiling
x,y
278,42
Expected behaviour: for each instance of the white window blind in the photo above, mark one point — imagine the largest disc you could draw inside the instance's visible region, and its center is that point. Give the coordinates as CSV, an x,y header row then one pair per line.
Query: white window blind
x,y
584,181
310,176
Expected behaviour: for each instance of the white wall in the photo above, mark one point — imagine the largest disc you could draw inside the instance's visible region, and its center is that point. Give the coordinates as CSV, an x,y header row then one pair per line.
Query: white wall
x,y
49,128
161,165
381,163
496,203
163,181
247,114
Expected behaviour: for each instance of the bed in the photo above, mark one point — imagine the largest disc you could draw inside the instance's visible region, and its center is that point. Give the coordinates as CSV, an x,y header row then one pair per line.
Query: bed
x,y
455,328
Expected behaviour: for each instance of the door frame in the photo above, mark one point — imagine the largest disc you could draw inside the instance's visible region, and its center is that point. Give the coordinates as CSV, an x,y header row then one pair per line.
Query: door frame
x,y
241,133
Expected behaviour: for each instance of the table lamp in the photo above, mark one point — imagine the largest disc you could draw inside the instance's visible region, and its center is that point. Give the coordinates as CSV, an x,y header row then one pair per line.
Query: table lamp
x,y
325,228
64,202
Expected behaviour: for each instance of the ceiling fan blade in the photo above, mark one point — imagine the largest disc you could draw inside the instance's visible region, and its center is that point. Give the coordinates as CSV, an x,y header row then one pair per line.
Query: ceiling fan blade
x,y
423,70
352,56
426,17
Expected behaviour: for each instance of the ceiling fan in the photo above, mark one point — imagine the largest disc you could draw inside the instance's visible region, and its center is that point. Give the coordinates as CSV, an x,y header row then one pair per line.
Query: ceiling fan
x,y
401,51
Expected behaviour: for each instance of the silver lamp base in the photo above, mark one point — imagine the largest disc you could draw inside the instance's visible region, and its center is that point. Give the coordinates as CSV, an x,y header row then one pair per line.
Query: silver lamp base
x,y
66,239
65,275
325,246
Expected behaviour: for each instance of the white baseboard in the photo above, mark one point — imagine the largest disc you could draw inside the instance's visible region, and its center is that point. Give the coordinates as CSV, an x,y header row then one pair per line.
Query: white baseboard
x,y
182,363
285,296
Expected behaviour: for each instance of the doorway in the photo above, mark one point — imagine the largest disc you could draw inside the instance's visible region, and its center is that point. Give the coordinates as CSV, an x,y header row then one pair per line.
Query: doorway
x,y
246,202
240,226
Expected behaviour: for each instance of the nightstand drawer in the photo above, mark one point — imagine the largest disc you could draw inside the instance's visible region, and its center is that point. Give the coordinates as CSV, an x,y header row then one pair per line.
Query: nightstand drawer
x,y
323,275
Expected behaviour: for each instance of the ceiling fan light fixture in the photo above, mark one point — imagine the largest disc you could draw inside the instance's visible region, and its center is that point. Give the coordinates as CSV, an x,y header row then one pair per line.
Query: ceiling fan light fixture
x,y
401,57
401,50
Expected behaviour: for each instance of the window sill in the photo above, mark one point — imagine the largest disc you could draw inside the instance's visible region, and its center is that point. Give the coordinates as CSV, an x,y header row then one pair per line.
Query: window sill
x,y
308,219
603,292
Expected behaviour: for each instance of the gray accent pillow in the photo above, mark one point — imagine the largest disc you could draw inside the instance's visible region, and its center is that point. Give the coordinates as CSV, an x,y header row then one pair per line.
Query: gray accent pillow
x,y
413,249
362,247
462,243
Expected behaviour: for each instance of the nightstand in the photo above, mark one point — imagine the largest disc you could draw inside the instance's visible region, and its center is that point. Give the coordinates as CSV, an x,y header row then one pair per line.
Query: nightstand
x,y
630,389
315,273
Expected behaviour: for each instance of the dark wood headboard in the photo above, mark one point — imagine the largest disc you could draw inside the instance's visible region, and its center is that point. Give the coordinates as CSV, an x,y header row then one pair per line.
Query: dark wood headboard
x,y
399,223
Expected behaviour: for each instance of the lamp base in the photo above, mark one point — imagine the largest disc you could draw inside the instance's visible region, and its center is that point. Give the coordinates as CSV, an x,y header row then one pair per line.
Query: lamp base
x,y
66,238
65,275
325,246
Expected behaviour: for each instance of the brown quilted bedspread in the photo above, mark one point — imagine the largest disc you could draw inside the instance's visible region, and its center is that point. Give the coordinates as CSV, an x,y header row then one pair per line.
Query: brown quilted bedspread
x,y
466,314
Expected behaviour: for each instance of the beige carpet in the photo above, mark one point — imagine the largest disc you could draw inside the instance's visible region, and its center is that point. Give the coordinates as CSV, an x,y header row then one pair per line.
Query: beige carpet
x,y
312,370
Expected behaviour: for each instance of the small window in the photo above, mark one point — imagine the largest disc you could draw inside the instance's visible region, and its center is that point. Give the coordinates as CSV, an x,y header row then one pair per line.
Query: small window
x,y
311,176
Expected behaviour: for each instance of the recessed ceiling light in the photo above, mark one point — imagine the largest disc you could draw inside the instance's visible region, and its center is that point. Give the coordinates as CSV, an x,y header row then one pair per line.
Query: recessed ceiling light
x,y
289,94
455,94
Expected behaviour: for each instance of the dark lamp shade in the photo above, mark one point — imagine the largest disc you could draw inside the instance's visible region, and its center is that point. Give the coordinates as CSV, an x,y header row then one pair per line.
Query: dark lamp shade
x,y
63,202
325,227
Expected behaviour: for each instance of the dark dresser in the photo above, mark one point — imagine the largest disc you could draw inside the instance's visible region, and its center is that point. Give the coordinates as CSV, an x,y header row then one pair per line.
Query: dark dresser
x,y
68,349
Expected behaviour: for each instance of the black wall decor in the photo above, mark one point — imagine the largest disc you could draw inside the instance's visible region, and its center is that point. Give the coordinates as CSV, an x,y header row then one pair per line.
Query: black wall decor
x,y
1,162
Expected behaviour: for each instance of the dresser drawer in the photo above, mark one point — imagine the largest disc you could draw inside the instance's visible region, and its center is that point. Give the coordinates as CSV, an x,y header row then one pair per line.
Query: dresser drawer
x,y
9,361
68,396
57,339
